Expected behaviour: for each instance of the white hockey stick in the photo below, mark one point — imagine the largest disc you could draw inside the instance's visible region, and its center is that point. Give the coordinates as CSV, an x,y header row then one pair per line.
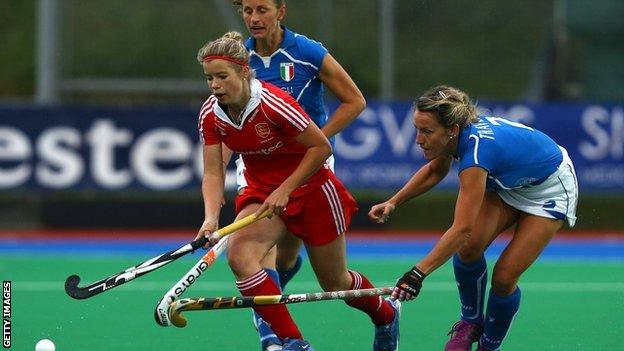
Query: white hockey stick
x,y
161,312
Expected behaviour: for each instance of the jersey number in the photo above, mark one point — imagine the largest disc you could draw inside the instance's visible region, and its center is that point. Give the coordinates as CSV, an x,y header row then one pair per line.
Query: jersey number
x,y
497,122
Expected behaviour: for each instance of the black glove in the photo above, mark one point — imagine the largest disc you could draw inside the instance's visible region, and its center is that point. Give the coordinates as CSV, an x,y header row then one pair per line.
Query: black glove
x,y
408,286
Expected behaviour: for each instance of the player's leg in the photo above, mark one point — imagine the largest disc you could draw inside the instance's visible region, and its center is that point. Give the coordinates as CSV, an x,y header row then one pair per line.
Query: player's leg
x,y
531,236
269,341
471,271
544,208
246,249
288,261
326,218
289,250
329,264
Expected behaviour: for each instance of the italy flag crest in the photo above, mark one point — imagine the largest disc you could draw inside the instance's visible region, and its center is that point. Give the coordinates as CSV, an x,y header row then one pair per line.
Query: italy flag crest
x,y
287,71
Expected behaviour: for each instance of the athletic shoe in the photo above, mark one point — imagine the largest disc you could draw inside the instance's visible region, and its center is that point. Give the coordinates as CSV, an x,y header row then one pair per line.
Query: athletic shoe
x,y
268,340
387,336
297,345
463,335
274,348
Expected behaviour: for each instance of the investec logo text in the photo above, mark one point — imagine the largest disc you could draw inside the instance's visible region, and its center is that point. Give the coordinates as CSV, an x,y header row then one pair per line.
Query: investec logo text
x,y
108,155
160,158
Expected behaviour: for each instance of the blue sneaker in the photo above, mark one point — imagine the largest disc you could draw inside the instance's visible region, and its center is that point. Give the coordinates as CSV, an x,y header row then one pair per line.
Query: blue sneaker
x,y
268,340
387,336
297,345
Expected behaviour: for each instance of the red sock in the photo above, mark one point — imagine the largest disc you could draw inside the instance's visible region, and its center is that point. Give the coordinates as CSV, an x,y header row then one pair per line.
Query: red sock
x,y
276,315
379,310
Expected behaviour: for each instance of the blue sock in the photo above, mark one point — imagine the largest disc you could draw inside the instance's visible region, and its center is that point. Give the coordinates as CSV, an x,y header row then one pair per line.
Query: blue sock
x,y
471,281
273,274
501,311
287,275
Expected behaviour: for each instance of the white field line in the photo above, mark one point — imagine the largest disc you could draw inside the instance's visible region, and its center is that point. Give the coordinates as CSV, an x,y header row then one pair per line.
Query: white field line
x,y
203,288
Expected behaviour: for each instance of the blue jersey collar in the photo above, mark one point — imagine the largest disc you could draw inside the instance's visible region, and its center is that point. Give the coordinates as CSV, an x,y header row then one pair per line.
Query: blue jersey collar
x,y
289,40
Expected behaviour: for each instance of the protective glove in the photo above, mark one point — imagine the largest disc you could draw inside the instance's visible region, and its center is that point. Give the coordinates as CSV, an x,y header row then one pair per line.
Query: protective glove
x,y
408,286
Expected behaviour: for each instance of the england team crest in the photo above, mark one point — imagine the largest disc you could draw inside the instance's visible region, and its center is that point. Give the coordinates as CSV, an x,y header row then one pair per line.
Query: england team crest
x,y
262,129
287,71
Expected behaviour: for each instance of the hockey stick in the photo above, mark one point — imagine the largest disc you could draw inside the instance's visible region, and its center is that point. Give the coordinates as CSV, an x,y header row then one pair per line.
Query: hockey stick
x,y
71,284
212,303
160,313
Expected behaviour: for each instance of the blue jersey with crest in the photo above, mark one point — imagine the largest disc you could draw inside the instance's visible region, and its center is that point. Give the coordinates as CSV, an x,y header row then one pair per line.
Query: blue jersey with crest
x,y
294,67
513,154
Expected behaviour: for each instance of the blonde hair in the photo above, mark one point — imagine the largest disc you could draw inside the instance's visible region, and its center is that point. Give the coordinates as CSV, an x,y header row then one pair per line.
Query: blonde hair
x,y
229,45
450,106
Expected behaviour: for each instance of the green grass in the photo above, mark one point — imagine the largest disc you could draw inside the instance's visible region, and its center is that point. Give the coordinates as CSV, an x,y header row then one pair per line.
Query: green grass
x,y
565,306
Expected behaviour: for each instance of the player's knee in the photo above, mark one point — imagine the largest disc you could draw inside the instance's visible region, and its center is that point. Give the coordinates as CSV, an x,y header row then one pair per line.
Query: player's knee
x,y
286,260
470,252
238,263
335,283
504,282
287,252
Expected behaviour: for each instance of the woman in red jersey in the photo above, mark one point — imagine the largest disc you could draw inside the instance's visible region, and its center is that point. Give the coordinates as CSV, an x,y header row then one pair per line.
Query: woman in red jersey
x,y
284,156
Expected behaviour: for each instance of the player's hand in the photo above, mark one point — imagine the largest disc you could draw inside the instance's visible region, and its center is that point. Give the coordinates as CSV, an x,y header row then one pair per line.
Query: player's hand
x,y
275,203
408,286
381,212
210,225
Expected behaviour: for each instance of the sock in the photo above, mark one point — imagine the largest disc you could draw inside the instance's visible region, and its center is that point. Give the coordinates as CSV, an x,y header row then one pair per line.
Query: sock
x,y
274,274
286,275
265,332
471,281
276,315
379,310
501,311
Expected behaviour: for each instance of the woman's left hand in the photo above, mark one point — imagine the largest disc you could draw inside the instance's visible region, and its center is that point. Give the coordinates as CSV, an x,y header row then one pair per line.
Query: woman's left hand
x,y
408,286
209,226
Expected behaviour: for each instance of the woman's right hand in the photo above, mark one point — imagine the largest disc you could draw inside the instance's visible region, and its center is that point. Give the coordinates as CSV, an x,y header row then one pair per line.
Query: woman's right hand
x,y
209,226
275,203
381,212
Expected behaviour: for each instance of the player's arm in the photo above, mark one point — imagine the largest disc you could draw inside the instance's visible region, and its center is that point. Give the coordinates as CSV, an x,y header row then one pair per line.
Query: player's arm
x,y
472,183
471,191
352,102
226,155
213,181
422,181
318,150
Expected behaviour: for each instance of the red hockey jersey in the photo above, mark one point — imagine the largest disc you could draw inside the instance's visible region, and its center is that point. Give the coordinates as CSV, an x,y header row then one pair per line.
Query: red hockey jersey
x,y
265,137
